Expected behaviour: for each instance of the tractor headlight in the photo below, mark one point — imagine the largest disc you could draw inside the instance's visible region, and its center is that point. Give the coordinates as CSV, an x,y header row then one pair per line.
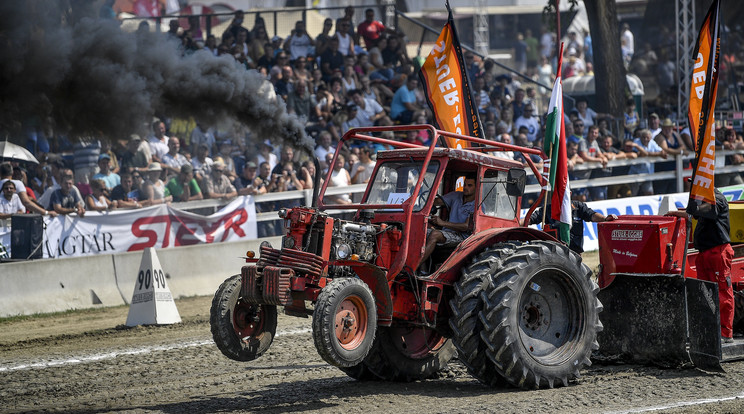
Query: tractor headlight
x,y
343,251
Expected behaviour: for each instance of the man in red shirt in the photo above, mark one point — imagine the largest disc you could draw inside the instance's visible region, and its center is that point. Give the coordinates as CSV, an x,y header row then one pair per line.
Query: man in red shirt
x,y
371,29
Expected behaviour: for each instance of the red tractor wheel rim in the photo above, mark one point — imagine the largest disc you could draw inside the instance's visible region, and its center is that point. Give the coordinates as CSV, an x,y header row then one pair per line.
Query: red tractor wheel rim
x,y
417,343
248,320
351,322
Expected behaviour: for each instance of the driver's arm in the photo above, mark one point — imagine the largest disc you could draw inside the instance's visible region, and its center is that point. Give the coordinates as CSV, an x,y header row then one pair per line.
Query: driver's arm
x,y
461,227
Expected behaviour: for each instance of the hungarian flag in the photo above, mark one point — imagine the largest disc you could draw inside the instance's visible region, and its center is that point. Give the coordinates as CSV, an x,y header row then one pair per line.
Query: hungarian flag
x,y
557,163
445,81
700,110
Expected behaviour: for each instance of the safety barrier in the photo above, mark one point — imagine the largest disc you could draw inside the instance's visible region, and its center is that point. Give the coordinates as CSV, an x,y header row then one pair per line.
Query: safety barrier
x,y
43,286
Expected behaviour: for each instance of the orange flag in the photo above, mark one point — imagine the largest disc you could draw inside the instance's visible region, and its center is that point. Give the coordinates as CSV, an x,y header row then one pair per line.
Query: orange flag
x,y
700,111
446,86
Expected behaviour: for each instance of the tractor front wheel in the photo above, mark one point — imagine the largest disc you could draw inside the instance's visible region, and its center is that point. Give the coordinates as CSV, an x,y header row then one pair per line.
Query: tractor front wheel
x,y
242,331
344,322
541,316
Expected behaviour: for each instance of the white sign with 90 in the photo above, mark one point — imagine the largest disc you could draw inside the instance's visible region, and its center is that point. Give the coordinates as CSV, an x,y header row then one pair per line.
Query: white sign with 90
x,y
152,302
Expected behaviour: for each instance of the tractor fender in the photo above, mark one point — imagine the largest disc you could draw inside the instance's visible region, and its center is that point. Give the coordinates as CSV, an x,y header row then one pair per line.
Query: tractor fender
x,y
449,272
376,279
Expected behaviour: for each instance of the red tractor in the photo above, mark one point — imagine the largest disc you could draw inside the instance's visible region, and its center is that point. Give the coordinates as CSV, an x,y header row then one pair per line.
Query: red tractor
x,y
518,306
655,308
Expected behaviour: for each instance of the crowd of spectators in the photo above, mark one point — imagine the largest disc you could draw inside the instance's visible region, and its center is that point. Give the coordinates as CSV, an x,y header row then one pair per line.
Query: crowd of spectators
x,y
349,75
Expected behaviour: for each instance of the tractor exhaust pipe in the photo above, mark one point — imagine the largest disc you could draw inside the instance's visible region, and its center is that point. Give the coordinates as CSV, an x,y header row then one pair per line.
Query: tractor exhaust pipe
x,y
316,182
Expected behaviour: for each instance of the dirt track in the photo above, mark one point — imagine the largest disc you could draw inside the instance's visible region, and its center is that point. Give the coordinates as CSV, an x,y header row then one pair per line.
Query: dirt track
x,y
81,362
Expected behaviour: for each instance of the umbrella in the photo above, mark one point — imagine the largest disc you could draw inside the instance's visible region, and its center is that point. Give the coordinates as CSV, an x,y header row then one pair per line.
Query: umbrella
x,y
11,151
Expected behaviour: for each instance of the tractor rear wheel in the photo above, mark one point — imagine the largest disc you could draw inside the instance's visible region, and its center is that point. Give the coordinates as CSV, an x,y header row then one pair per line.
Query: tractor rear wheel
x,y
466,306
344,322
409,354
242,331
541,316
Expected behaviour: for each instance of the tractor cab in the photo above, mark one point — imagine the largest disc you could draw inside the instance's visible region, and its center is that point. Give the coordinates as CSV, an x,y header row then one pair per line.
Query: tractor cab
x,y
405,183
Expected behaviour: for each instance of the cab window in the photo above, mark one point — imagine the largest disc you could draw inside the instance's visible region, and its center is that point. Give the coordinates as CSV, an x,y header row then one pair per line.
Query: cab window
x,y
493,198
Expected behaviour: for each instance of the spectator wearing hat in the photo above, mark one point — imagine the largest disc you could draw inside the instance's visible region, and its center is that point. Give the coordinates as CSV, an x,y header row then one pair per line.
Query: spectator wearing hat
x,y
217,185
266,154
134,158
202,163
672,144
109,178
153,190
654,125
184,187
173,159
249,183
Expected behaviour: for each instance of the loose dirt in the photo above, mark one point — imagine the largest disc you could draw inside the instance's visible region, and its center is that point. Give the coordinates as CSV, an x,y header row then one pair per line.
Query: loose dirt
x,y
88,362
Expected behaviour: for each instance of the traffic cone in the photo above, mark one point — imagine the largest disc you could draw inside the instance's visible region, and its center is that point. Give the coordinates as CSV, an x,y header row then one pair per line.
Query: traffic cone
x,y
152,302
666,205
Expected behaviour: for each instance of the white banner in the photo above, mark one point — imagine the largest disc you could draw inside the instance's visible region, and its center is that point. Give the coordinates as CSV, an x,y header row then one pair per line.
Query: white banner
x,y
158,226
640,206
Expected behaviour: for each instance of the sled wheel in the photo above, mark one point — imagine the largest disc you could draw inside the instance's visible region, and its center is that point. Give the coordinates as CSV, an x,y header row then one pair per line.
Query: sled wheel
x,y
409,354
344,322
541,316
242,331
466,306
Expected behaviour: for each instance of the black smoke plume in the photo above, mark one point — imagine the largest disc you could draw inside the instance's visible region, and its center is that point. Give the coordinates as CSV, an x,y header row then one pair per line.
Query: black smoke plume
x,y
89,77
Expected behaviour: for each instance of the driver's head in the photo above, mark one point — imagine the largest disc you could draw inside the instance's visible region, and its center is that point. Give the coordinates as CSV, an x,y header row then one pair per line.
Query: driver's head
x,y
468,188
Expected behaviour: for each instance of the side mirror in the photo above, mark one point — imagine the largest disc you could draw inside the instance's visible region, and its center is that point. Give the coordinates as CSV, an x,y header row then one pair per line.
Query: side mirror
x,y
515,182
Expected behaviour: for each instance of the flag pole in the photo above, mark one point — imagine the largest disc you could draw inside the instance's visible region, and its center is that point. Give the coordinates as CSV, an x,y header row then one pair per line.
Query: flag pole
x,y
552,147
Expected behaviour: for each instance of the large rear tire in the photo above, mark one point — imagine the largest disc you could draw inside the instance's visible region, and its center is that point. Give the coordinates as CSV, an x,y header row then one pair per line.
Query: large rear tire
x,y
344,322
467,305
541,316
242,331
409,354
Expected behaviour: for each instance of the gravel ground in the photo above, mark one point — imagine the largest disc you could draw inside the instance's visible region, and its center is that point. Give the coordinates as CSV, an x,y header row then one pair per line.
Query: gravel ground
x,y
87,362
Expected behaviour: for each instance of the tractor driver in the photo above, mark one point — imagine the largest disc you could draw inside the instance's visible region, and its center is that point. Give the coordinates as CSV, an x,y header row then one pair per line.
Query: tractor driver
x,y
712,240
461,206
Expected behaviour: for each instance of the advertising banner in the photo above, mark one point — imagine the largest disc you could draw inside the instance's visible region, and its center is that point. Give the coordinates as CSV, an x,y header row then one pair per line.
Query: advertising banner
x,y
128,230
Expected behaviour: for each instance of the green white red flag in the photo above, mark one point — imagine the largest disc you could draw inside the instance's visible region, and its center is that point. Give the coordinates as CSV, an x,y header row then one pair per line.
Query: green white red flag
x,y
557,164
